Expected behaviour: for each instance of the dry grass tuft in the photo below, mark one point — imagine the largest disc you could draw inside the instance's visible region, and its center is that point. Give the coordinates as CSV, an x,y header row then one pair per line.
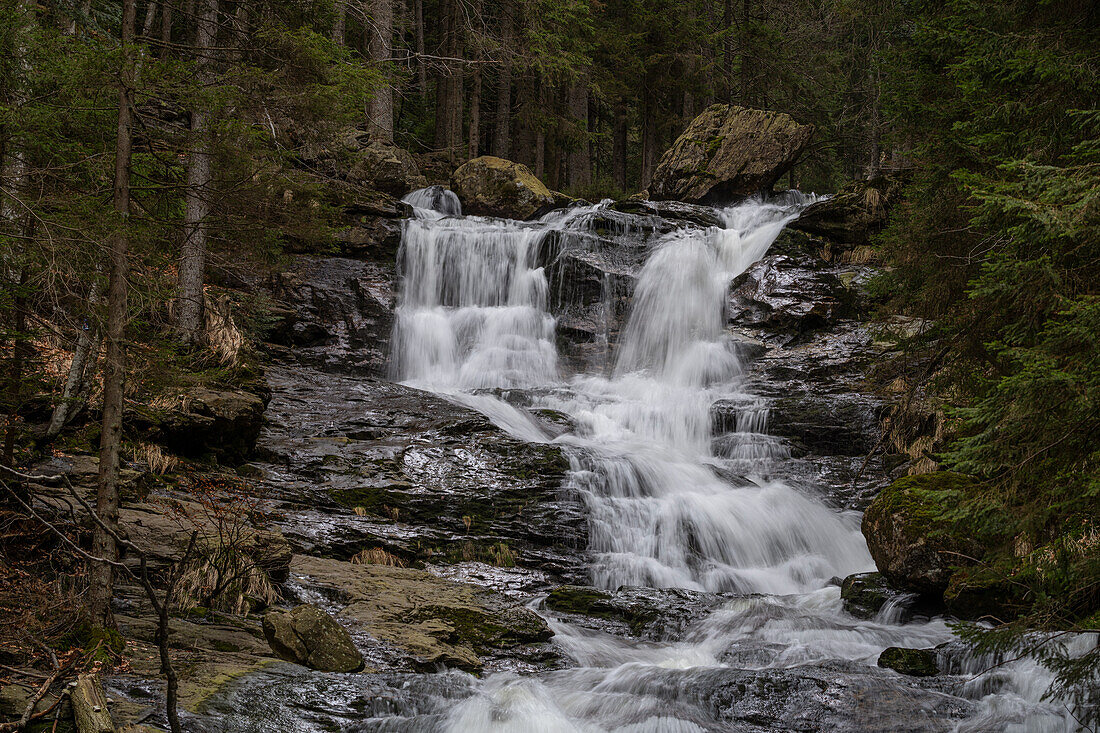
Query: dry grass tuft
x,y
223,337
377,556
154,458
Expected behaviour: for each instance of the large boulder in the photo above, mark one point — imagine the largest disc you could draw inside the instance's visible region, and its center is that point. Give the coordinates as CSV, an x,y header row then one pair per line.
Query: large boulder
x,y
849,218
490,186
913,546
431,619
728,153
310,637
386,167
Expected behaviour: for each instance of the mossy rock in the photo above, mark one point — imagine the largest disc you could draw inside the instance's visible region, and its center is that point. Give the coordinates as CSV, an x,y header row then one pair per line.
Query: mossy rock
x,y
864,594
914,546
491,186
972,593
310,637
583,600
913,662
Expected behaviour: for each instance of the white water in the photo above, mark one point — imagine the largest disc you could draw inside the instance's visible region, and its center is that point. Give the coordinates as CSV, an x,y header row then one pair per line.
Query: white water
x,y
663,510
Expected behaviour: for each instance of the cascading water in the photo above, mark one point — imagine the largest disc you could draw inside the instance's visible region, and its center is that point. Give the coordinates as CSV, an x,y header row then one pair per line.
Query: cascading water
x,y
666,509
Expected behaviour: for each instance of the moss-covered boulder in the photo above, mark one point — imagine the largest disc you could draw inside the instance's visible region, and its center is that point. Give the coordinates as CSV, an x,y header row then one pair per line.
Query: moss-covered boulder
x,y
491,186
310,637
977,593
913,545
386,167
201,420
864,594
728,153
914,662
432,620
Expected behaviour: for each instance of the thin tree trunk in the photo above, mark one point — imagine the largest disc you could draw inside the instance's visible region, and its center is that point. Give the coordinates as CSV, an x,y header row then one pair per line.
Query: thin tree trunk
x,y
578,161
150,16
192,266
649,137
502,131
165,28
379,50
618,148
101,578
421,62
475,115
339,21
18,361
87,344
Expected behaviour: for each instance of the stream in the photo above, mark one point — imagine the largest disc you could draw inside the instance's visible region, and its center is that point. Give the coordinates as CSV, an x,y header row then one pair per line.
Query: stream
x,y
670,502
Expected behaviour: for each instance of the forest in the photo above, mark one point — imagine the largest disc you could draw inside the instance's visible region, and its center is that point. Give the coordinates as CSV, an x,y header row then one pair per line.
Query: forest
x,y
267,397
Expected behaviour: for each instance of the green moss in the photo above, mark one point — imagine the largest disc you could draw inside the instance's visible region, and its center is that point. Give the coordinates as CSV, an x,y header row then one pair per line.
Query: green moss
x,y
224,646
915,662
925,500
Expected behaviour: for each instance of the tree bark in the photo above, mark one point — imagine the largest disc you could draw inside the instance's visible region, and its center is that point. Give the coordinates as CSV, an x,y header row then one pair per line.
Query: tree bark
x,y
90,705
649,137
165,28
618,148
379,50
502,130
475,115
339,21
101,577
579,162
192,264
87,346
421,63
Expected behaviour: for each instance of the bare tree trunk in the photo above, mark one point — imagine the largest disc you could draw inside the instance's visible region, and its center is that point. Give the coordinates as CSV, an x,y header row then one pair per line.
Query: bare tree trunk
x,y
379,49
502,132
192,266
150,16
649,137
18,361
339,21
165,28
101,577
618,148
87,345
475,115
578,161
421,63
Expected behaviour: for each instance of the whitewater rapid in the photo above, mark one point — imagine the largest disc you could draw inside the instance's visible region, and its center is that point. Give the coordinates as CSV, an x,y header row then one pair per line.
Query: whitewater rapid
x,y
667,506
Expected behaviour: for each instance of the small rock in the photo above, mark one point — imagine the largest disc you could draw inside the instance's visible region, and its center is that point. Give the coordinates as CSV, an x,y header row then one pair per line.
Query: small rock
x,y
864,594
310,637
914,662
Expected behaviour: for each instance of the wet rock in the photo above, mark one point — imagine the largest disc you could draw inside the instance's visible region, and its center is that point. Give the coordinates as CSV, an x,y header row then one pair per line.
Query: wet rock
x,y
414,474
491,186
338,313
386,167
787,296
310,637
850,217
727,153
912,546
674,211
658,614
434,620
914,662
224,423
864,594
972,593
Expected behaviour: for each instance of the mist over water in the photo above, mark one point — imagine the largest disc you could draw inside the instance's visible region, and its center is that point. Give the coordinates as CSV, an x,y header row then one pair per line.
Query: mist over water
x,y
666,510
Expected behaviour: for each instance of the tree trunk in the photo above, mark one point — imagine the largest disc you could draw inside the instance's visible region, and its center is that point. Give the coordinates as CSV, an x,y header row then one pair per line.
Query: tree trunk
x,y
618,148
101,577
87,346
421,62
475,115
150,16
649,137
18,362
90,705
192,267
379,50
444,86
339,21
502,131
579,162
165,29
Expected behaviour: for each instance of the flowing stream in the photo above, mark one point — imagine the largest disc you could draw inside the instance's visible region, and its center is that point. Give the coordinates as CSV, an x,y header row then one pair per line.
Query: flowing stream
x,y
669,507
